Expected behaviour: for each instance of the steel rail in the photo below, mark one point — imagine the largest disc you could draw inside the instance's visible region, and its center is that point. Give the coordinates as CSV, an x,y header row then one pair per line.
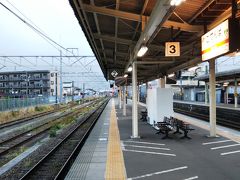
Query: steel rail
x,y
23,136
95,115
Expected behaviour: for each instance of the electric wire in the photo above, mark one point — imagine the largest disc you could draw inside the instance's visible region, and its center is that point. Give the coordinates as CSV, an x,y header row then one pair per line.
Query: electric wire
x,y
39,31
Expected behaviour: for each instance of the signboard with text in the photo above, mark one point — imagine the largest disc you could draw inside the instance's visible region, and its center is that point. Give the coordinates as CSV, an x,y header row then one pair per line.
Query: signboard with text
x,y
216,42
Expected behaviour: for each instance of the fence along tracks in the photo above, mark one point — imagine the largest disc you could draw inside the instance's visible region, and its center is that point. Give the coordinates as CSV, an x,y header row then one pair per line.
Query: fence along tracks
x,y
56,162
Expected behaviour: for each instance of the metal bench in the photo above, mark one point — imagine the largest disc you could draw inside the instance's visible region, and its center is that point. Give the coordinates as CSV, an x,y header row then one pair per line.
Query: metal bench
x,y
172,123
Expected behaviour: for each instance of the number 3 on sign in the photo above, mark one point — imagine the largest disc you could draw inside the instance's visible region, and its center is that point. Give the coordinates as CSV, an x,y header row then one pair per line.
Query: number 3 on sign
x,y
172,49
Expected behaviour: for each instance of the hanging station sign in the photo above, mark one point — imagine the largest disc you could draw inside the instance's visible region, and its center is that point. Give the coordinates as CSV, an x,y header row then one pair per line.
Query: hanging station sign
x,y
172,49
221,40
114,73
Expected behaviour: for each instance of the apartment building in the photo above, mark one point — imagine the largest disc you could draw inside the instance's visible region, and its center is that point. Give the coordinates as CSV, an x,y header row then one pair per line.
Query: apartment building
x,y
29,83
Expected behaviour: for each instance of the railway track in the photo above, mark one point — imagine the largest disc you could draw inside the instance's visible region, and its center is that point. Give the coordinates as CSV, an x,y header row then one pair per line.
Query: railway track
x,y
9,145
55,163
220,121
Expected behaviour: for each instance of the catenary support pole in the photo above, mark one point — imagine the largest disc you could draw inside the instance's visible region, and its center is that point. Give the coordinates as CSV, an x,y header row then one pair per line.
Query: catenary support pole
x,y
56,88
212,106
124,100
61,83
72,91
134,103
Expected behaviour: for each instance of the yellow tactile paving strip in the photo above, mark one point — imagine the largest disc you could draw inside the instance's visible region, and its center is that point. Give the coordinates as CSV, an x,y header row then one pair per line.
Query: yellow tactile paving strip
x,y
115,168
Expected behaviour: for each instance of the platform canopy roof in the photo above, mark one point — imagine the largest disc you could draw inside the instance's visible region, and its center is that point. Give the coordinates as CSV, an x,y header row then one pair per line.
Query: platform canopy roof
x,y
116,29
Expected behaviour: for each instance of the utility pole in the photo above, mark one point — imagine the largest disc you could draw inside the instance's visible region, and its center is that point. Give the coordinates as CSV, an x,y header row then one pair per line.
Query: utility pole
x,y
83,91
61,88
56,100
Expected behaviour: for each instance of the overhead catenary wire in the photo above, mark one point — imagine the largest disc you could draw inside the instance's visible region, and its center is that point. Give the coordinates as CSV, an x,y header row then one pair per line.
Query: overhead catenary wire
x,y
43,35
11,61
39,31
31,26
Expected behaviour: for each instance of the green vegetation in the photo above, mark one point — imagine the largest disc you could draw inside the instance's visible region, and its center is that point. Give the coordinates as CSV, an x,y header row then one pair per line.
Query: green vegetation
x,y
18,152
72,119
53,130
27,163
40,108
14,113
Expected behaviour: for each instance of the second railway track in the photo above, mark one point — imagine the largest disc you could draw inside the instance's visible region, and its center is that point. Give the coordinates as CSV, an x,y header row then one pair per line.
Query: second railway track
x,y
55,162
9,144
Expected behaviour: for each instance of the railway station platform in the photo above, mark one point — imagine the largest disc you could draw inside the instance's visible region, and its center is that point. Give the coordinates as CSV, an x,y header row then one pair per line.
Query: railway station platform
x,y
116,156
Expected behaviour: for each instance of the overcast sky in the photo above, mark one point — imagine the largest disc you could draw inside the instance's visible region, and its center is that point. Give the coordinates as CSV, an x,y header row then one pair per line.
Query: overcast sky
x,y
57,20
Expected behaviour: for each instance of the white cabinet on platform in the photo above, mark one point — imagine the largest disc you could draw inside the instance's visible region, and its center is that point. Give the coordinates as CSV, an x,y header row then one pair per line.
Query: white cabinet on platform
x,y
159,104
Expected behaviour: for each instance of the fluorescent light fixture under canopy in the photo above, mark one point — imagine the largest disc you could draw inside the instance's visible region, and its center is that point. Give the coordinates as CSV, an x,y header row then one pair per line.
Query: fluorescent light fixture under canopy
x,y
176,2
171,75
142,51
130,69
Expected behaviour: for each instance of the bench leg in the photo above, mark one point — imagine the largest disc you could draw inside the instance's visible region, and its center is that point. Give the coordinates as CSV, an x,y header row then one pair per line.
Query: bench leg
x,y
166,135
186,135
177,131
160,131
144,118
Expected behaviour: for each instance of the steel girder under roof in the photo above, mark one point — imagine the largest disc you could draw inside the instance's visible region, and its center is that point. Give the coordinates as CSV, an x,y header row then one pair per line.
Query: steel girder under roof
x,y
116,29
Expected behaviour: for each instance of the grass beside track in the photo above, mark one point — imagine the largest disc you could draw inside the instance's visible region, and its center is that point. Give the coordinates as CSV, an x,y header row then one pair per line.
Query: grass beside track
x,y
53,128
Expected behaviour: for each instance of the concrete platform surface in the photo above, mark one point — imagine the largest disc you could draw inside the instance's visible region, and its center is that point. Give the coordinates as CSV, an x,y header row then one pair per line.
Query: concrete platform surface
x,y
151,157
91,161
